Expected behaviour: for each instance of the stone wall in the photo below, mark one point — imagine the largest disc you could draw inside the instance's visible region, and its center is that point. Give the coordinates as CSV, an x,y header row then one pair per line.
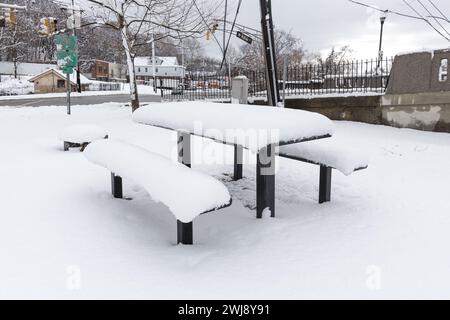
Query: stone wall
x,y
422,111
353,108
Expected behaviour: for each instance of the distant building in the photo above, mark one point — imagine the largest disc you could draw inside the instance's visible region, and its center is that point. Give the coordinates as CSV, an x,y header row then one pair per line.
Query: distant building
x,y
53,81
165,67
104,71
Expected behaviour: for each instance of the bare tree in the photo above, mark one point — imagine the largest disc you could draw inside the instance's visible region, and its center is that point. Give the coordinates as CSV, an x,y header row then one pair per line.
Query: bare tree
x,y
25,35
286,44
138,20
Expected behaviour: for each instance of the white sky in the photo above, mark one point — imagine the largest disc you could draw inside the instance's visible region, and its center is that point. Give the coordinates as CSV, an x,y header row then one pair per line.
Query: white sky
x,y
322,24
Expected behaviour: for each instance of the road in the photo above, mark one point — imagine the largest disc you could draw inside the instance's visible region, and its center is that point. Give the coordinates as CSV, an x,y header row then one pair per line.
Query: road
x,y
85,100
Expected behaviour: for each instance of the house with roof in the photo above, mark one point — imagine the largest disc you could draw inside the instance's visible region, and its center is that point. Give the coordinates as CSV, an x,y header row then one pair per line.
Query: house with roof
x,y
165,67
53,80
106,71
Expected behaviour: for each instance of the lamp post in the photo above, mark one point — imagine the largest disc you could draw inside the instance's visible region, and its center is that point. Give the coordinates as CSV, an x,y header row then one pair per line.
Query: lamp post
x,y
380,48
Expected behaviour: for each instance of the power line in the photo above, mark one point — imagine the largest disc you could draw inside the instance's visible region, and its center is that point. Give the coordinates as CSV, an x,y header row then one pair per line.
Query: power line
x,y
386,11
231,33
418,17
436,7
426,20
431,14
207,25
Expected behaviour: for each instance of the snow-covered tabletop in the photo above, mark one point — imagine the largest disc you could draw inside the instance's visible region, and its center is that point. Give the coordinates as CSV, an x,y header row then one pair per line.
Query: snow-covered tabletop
x,y
332,152
82,133
253,127
186,192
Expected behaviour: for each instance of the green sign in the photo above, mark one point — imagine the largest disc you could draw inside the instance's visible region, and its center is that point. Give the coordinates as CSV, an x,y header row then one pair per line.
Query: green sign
x,y
67,52
67,58
66,43
67,70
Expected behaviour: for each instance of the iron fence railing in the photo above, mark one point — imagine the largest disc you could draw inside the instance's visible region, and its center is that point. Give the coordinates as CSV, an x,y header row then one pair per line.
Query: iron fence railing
x,y
349,77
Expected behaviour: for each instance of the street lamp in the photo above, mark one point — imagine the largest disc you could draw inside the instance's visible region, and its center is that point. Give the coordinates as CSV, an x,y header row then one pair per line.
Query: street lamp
x,y
380,51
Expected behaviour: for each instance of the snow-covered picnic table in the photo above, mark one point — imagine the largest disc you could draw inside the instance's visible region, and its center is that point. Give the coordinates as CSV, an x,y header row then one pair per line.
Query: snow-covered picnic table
x,y
257,128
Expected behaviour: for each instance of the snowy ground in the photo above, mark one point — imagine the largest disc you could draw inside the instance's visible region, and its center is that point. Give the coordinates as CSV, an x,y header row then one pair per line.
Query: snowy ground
x,y
384,235
10,86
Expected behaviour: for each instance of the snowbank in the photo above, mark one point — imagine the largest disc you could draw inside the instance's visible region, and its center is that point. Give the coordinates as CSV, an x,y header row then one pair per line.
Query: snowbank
x,y
11,86
253,127
187,193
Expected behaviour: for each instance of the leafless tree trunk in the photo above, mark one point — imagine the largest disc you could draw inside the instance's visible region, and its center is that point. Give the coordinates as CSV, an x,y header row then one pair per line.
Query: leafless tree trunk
x,y
137,20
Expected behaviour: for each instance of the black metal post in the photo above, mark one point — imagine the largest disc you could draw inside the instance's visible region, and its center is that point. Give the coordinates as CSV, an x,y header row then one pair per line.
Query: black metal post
x,y
265,182
325,184
185,233
238,162
184,148
116,186
273,92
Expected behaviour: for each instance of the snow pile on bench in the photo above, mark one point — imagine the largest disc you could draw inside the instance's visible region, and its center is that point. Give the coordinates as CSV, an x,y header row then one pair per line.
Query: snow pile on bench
x,y
330,152
237,124
83,133
185,192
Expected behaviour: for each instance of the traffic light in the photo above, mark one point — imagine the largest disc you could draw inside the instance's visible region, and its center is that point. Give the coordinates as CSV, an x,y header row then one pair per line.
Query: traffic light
x,y
48,26
211,31
45,27
11,17
214,28
53,25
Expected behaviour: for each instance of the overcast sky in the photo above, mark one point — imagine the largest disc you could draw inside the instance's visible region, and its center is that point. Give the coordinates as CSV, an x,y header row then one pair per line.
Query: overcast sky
x,y
322,24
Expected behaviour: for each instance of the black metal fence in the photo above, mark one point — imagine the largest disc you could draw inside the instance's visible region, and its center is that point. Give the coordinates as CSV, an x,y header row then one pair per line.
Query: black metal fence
x,y
342,78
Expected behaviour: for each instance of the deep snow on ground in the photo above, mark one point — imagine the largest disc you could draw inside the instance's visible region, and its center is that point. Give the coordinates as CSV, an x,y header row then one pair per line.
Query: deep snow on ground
x,y
11,86
384,235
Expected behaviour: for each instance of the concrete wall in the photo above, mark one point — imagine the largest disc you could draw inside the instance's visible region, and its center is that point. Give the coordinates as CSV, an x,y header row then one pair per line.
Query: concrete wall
x,y
418,72
418,97
422,111
358,108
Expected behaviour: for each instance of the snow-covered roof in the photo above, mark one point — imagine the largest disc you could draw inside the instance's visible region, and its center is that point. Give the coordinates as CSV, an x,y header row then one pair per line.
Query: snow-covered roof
x,y
160,61
73,76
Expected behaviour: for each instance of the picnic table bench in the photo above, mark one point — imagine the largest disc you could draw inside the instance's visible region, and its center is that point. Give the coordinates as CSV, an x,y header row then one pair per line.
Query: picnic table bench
x,y
185,192
80,135
329,154
256,128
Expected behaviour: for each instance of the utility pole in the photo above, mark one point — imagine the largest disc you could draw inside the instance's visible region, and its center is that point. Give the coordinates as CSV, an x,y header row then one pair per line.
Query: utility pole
x,y
183,70
273,92
153,62
380,47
